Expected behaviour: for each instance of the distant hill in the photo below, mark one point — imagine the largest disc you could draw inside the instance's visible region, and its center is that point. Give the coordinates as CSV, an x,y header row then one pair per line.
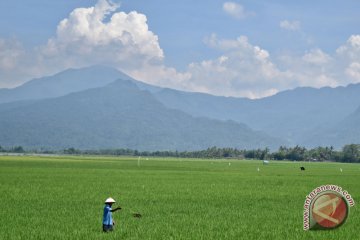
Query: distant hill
x,y
292,115
344,132
119,115
296,116
68,81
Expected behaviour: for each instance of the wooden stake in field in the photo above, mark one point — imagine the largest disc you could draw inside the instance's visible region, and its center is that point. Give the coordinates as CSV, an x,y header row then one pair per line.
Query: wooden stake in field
x,y
138,163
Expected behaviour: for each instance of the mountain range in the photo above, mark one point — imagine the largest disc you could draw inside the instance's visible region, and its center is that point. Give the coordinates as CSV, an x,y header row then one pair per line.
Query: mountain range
x,y
100,107
292,115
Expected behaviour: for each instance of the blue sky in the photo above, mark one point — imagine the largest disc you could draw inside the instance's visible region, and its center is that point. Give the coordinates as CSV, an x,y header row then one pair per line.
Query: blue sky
x,y
233,48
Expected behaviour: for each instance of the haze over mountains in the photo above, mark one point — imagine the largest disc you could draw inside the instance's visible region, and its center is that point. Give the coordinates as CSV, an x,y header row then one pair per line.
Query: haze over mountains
x,y
100,107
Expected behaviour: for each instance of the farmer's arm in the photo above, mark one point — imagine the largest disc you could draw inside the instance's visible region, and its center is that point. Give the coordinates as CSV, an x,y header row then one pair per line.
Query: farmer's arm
x,y
115,209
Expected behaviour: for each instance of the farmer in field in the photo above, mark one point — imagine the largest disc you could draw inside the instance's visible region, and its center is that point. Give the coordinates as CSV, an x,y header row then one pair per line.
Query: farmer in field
x,y
108,222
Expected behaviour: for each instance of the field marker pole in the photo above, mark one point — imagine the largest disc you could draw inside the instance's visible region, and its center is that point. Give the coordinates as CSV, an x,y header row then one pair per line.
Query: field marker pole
x,y
138,163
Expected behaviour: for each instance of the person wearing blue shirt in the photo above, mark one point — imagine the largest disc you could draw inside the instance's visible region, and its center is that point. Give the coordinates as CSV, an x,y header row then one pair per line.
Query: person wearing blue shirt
x,y
108,222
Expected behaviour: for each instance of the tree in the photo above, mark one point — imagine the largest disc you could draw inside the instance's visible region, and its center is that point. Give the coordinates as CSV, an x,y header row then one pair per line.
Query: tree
x,y
72,151
321,153
297,153
281,153
264,153
18,149
351,153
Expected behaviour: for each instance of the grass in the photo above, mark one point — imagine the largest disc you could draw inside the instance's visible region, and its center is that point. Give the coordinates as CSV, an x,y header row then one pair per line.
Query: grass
x,y
62,198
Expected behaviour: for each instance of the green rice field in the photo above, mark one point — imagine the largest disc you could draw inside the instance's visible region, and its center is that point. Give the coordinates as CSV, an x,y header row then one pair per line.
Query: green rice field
x,y
61,197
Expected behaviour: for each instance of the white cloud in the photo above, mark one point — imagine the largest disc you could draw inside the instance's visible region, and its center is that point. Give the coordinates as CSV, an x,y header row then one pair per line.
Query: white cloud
x,y
314,69
351,49
98,35
353,71
243,69
11,52
349,57
85,37
161,75
290,25
15,63
316,79
104,35
316,56
236,10
123,41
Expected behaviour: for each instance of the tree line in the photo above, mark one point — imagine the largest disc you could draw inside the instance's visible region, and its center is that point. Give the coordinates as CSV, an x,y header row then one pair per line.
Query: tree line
x,y
349,153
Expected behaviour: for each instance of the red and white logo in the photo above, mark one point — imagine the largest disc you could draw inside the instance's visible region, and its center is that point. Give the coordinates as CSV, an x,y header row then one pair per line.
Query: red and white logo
x,y
327,207
329,210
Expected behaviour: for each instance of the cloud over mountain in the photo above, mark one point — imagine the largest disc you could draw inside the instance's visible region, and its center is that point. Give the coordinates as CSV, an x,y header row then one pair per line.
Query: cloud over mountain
x,y
96,35
238,66
242,69
245,69
123,38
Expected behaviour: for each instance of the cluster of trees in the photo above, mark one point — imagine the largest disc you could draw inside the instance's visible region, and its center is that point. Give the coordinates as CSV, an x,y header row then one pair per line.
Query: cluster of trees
x,y
16,149
349,153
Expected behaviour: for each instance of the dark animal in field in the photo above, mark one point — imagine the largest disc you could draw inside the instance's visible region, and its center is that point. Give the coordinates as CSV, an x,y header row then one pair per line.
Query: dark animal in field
x,y
302,168
137,215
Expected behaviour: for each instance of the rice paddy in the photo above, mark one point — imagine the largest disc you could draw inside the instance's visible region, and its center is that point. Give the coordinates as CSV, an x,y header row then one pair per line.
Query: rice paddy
x,y
61,197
